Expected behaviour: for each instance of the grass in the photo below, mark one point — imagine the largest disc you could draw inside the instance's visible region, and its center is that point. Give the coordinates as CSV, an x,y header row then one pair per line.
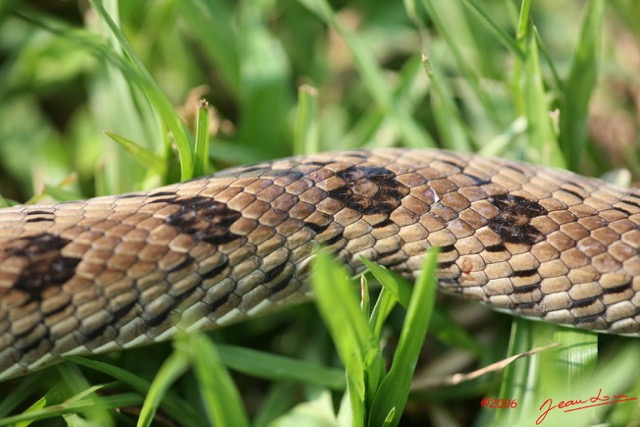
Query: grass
x,y
522,80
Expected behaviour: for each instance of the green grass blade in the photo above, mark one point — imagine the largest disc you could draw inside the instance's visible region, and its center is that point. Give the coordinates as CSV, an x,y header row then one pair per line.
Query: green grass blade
x,y
522,29
463,65
501,35
173,405
305,132
265,97
579,86
409,131
221,399
18,394
447,116
212,26
280,398
107,402
201,164
172,368
139,153
36,406
381,310
393,393
542,146
398,287
350,331
157,98
270,366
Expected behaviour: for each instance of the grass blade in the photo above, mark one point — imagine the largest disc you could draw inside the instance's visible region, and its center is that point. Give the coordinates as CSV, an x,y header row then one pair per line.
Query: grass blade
x,y
139,153
156,97
393,393
305,132
542,146
173,405
501,35
201,165
409,131
579,86
270,366
172,368
220,397
350,331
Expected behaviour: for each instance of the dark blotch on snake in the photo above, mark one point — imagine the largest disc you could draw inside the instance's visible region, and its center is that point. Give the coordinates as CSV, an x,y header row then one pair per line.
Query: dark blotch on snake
x,y
205,219
385,199
46,266
512,224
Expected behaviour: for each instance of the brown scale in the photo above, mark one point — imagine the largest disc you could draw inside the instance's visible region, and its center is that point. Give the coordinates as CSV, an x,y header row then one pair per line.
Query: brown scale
x,y
115,272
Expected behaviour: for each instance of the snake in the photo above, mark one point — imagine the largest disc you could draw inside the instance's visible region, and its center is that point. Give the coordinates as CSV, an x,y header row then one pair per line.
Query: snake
x,y
114,272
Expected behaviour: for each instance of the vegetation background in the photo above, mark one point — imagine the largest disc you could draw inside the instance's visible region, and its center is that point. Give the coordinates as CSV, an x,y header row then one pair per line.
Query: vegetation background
x,y
548,82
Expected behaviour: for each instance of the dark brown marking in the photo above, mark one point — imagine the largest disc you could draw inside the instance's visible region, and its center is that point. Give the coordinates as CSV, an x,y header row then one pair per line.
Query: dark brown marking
x,y
316,163
387,252
512,224
447,248
333,240
526,289
514,168
524,273
387,197
383,223
34,344
37,212
205,219
573,193
115,317
164,315
445,265
215,271
46,266
586,302
188,260
275,272
477,180
162,194
617,289
219,302
526,305
588,319
39,219
280,285
317,227
624,211
629,202
499,247
450,163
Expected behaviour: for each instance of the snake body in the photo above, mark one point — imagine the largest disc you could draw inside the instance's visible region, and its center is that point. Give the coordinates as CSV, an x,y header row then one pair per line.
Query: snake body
x,y
121,271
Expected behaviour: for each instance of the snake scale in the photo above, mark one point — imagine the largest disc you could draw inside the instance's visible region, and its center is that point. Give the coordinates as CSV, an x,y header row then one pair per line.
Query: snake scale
x,y
121,271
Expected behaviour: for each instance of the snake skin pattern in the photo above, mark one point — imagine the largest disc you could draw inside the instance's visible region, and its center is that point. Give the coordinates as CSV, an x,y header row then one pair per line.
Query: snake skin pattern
x,y
121,271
